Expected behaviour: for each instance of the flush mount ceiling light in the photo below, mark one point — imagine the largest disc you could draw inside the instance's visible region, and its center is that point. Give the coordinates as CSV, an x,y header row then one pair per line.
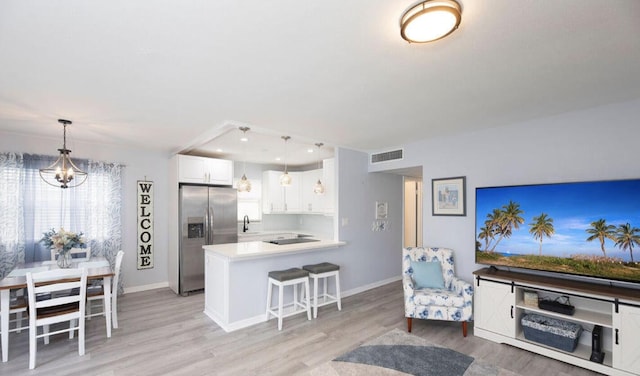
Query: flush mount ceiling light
x,y
63,172
244,185
318,188
430,20
285,178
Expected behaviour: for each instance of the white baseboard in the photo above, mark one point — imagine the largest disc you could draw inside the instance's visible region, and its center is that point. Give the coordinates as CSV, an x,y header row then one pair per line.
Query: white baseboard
x,y
152,286
370,286
235,325
262,317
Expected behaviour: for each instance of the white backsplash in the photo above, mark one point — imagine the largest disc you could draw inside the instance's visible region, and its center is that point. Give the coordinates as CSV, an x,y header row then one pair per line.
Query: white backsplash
x,y
319,225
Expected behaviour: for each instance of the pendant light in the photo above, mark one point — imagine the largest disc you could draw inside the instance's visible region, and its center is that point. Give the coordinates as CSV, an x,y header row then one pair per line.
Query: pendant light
x,y
318,188
63,172
285,178
244,185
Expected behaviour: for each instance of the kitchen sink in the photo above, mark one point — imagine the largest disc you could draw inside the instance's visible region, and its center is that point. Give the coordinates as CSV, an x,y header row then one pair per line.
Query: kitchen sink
x,y
291,241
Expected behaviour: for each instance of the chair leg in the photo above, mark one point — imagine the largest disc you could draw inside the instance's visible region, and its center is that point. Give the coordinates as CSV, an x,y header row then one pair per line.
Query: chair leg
x,y
409,322
72,324
19,321
315,296
308,302
81,326
114,311
464,328
45,330
88,309
338,295
280,306
32,347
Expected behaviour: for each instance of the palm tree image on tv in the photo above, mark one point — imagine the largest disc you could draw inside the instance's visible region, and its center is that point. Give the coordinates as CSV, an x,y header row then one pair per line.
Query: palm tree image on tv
x,y
627,237
585,229
602,231
541,227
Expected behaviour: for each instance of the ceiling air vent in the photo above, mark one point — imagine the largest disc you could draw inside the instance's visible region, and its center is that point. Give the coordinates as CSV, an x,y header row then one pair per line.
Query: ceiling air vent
x,y
394,155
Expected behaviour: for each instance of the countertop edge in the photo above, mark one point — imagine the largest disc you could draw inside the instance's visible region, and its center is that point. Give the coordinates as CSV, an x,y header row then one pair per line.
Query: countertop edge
x,y
258,249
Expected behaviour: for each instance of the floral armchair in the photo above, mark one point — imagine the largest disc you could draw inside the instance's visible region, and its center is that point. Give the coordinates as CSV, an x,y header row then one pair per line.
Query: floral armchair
x,y
452,302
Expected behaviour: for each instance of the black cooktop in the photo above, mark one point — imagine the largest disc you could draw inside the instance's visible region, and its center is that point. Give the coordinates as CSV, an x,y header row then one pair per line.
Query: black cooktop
x,y
291,241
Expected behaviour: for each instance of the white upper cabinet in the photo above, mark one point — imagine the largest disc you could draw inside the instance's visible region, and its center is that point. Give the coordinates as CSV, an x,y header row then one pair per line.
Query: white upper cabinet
x,y
311,202
299,198
192,169
279,199
329,181
272,192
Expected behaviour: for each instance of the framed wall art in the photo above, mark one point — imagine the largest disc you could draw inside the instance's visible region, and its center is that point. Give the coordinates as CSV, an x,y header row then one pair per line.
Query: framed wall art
x,y
382,209
449,196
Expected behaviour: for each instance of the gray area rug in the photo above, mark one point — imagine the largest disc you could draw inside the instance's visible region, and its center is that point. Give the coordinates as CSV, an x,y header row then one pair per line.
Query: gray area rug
x,y
400,353
414,360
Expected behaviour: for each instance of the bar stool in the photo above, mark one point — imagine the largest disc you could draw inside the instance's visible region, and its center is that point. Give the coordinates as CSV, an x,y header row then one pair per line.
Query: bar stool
x,y
290,277
324,270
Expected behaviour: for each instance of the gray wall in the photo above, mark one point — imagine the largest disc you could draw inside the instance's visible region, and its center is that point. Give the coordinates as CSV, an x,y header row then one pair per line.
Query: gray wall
x,y
139,163
369,257
600,143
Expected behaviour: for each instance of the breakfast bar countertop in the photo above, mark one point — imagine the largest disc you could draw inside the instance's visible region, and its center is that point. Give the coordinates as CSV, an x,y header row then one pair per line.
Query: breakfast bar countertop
x,y
260,249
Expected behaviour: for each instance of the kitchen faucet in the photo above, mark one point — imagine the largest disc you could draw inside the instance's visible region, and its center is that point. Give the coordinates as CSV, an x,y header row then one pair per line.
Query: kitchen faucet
x,y
245,223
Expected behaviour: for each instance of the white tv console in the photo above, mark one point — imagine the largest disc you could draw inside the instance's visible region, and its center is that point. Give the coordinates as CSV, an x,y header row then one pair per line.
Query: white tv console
x,y
499,305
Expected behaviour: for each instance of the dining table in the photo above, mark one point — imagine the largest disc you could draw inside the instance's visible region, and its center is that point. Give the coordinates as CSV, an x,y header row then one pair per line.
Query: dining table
x,y
97,269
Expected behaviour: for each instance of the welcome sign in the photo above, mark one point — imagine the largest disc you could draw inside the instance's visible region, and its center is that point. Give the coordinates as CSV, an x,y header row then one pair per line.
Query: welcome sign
x,y
145,224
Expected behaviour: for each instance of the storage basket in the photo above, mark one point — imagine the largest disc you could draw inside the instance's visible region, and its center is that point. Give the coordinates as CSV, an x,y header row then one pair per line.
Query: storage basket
x,y
563,335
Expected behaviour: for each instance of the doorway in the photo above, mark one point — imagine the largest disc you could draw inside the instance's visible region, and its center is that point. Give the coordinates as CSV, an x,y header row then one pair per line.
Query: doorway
x,y
412,212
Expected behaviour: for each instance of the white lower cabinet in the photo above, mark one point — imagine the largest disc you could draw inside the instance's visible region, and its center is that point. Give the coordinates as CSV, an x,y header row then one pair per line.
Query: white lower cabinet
x,y
500,304
495,308
626,337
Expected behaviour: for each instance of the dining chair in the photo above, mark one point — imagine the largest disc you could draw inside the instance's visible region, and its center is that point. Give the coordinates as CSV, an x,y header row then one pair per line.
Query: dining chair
x,y
95,293
17,306
50,308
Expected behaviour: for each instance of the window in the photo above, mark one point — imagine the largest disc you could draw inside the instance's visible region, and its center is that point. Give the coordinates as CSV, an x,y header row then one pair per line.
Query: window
x,y
29,207
249,203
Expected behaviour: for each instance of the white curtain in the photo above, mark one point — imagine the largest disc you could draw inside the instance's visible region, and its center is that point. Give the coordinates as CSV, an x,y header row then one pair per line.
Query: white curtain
x,y
12,238
29,207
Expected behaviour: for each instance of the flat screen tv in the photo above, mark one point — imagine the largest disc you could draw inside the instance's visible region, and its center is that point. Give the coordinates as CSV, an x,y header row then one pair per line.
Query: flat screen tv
x,y
588,229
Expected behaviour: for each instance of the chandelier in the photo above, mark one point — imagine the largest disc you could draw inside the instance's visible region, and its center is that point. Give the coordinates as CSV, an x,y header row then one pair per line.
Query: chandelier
x,y
63,172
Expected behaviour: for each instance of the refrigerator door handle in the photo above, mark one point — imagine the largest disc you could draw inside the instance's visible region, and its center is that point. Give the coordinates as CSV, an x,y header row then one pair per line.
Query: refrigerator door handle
x,y
206,226
210,225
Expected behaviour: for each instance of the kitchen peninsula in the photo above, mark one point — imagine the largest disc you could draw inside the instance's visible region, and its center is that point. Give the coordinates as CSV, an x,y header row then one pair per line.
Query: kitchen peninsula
x,y
236,276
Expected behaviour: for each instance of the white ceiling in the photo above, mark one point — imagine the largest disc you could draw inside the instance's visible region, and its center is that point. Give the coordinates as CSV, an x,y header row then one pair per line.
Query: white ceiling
x,y
170,75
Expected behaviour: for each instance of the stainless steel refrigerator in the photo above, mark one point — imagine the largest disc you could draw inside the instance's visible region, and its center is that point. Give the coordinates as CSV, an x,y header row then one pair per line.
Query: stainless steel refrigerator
x,y
208,215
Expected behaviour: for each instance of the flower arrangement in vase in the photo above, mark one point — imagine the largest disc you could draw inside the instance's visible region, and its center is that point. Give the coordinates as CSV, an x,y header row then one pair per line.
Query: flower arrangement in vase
x,y
62,241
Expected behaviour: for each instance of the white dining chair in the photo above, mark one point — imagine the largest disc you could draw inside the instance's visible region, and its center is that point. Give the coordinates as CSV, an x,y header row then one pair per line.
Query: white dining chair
x,y
51,308
95,293
17,306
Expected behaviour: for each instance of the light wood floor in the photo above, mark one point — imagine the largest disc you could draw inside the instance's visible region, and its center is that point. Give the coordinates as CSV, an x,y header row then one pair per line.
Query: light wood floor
x,y
164,334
